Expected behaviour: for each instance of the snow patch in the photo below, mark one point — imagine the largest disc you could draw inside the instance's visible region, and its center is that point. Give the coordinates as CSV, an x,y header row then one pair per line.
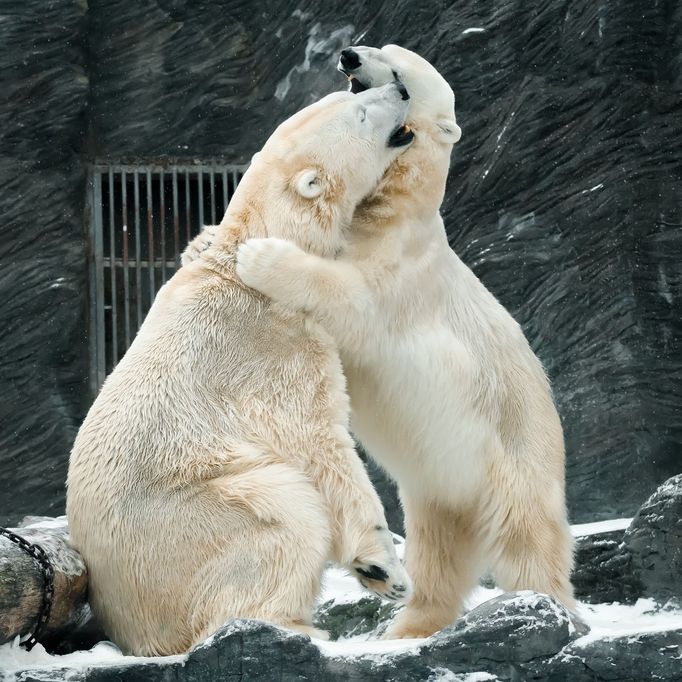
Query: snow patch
x,y
475,29
361,646
584,529
47,521
616,620
15,659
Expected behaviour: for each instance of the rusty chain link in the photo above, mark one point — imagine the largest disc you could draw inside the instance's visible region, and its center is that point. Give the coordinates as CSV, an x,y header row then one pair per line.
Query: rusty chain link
x,y
40,556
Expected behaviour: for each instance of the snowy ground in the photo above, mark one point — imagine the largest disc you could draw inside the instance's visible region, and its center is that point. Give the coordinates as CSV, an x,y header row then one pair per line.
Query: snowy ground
x,y
605,620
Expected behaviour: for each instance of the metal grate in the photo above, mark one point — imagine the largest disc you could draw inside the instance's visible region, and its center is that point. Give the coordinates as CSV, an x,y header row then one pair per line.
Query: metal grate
x,y
141,218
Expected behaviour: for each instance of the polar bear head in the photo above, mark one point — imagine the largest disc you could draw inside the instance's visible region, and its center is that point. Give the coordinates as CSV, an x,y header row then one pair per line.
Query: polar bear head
x,y
318,165
431,96
420,174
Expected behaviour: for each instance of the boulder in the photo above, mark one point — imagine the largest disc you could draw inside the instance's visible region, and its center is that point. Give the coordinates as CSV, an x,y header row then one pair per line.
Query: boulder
x,y
654,543
645,560
602,569
636,657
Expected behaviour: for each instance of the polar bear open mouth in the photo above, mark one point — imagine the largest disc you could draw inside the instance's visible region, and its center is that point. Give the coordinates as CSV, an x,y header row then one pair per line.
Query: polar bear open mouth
x,y
355,86
401,136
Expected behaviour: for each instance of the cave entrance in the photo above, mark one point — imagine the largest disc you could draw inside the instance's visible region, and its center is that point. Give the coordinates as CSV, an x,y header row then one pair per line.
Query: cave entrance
x,y
141,216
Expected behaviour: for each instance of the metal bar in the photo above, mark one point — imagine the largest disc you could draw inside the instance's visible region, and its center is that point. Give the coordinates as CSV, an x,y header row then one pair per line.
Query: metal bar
x,y
159,268
235,181
126,267
176,220
94,331
224,192
200,182
112,273
150,233
138,249
162,224
187,209
99,274
211,177
170,264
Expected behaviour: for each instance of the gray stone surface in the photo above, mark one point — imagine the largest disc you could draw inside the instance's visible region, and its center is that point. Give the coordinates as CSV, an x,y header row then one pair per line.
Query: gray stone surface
x,y
602,570
654,541
503,633
490,638
369,614
517,636
563,196
636,658
645,560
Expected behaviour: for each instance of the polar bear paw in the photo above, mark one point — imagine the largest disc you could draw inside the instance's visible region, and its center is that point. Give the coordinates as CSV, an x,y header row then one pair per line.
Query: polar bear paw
x,y
268,264
381,571
200,243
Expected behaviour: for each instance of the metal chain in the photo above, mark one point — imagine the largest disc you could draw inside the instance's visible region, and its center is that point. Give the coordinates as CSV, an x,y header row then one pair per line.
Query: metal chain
x,y
39,554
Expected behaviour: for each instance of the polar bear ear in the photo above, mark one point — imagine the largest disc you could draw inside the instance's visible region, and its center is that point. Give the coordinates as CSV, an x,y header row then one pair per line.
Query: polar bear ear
x,y
308,183
450,131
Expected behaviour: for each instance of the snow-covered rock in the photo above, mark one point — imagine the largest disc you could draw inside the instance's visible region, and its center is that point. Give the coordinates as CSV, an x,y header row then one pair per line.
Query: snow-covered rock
x,y
654,543
644,560
503,636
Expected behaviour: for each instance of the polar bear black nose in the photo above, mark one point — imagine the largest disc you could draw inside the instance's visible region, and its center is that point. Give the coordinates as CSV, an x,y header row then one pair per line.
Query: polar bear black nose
x,y
349,59
402,90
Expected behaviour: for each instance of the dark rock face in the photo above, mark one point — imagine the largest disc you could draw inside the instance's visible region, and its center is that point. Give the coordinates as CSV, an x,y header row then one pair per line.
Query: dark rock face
x,y
643,561
564,195
602,570
642,656
654,540
369,614
43,351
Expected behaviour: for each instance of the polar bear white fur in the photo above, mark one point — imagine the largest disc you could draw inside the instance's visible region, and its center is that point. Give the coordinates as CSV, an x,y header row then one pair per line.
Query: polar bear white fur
x,y
445,392
214,475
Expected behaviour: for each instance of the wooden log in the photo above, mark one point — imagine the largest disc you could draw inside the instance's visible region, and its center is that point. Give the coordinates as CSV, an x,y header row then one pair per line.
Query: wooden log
x,y
21,580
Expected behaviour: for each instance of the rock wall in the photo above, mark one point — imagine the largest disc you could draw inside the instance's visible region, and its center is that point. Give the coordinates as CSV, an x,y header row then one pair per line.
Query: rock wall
x,y
43,280
564,195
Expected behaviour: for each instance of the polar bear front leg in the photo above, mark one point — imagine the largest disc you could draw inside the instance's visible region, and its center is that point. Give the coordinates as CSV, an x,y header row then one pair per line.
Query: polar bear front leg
x,y
333,291
361,540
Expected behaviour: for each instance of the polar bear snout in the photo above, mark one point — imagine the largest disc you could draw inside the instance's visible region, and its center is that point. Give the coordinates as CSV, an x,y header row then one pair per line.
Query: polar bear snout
x,y
349,60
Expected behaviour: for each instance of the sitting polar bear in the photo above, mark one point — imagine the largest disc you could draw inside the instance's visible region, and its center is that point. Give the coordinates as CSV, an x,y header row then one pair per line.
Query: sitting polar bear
x,y
445,392
214,475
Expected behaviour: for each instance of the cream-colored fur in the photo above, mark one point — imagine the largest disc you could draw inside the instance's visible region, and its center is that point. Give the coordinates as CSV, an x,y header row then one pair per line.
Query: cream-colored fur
x,y
445,392
214,475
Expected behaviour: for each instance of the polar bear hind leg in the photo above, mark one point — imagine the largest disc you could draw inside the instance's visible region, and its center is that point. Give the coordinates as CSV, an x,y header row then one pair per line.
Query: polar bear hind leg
x,y
443,556
531,543
270,569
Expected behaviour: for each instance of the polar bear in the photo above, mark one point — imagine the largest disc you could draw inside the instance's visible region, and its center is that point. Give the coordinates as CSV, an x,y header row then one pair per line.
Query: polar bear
x,y
214,475
446,393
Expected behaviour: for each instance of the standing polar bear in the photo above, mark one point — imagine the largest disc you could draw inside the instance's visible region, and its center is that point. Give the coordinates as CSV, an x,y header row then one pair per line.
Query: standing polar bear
x,y
445,392
214,475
